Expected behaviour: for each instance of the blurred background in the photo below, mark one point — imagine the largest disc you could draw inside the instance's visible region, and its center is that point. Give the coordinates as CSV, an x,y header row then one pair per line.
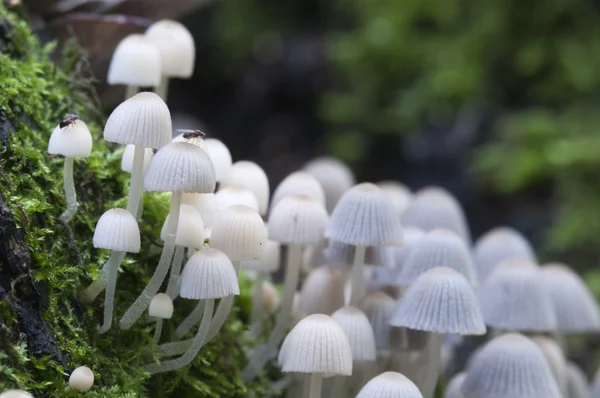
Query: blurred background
x,y
495,100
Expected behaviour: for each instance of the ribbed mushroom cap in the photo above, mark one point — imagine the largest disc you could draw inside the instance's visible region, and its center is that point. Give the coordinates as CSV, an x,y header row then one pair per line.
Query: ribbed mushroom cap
x,y
240,233
389,276
433,208
176,47
207,205
390,385
442,301
74,141
181,167
574,305
453,389
398,193
232,195
322,291
143,120
595,388
81,379
365,216
379,309
577,382
514,298
335,178
269,258
510,366
358,329
208,274
298,220
497,245
15,394
317,344
190,228
440,247
198,141
117,230
161,306
341,255
220,156
299,183
250,176
135,62
555,357
127,158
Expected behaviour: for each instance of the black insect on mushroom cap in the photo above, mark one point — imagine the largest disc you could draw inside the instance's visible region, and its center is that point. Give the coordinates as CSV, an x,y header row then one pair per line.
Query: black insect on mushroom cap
x,y
69,120
189,134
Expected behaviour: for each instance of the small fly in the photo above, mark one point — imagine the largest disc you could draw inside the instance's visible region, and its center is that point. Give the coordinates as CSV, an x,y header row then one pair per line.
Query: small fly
x,y
68,121
189,134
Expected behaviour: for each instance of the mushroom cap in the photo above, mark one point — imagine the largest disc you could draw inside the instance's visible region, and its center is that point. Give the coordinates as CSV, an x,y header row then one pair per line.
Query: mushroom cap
x,y
220,156
365,216
161,306
176,48
510,366
575,307
81,379
117,230
209,274
298,220
198,141
190,228
232,195
322,291
181,167
555,357
390,385
143,120
514,298
127,158
251,176
577,382
135,62
497,245
15,394
358,329
455,385
379,308
390,276
240,233
399,194
441,300
206,204
73,141
341,255
299,183
439,247
269,258
302,350
334,176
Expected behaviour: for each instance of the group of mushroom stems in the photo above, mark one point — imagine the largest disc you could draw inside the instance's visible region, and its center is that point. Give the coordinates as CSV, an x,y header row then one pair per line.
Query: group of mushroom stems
x,y
390,281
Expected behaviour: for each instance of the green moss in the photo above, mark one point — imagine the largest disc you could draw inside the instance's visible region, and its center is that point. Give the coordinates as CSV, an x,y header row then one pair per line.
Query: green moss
x,y
35,95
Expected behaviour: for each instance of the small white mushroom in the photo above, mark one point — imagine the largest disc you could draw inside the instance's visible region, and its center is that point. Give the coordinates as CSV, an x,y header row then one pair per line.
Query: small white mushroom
x,y
82,379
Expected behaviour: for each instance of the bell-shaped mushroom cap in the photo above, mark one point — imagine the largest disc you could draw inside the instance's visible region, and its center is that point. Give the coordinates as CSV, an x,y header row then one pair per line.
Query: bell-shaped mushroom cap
x,y
206,204
555,357
220,156
577,382
232,195
209,274
298,220
453,389
135,62
389,276
15,394
510,366
73,141
303,349
117,230
180,167
398,193
143,120
341,255
514,298
240,233
161,306
438,248
365,216
442,301
299,183
127,158
497,245
322,291
359,332
335,178
574,305
269,258
81,379
379,309
198,141
190,229
251,176
390,385
176,47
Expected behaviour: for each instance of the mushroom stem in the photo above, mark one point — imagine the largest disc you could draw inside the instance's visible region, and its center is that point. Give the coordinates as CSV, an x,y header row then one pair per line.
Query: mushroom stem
x,y
358,289
96,287
137,181
315,385
172,290
176,347
256,312
197,344
431,367
141,303
292,273
189,322
222,310
130,91
158,330
109,296
163,88
71,196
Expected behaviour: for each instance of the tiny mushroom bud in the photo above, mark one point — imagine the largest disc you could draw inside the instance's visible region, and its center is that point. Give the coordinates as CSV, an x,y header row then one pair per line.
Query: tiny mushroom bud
x,y
390,385
161,306
82,379
15,394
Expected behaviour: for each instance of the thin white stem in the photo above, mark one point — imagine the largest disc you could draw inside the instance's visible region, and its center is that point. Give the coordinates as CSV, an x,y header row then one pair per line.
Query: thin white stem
x,y
163,88
141,303
176,347
109,297
190,354
358,289
136,184
432,365
71,196
222,310
256,314
130,91
284,316
189,322
172,286
315,385
158,330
